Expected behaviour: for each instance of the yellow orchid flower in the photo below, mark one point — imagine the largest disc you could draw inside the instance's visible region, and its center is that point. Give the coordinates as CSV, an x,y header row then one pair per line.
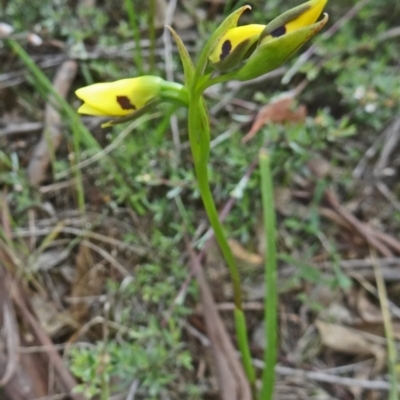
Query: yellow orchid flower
x,y
125,96
265,47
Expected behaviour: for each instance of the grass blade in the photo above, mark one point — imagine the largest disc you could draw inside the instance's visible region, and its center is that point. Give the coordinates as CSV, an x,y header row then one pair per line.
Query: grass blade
x,y
387,322
271,296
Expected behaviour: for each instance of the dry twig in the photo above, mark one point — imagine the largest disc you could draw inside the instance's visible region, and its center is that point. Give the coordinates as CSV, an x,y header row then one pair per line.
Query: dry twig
x,y
233,382
55,360
52,133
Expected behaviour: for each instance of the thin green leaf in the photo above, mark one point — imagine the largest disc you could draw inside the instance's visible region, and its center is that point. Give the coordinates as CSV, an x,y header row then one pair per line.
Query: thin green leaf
x,y
271,298
188,67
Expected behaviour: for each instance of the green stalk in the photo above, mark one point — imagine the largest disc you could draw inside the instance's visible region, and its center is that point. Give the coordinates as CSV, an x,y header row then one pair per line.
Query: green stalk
x,y
209,205
200,145
174,92
271,297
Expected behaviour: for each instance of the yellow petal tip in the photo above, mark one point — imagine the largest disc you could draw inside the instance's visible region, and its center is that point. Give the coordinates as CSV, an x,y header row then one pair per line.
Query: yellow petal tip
x,y
89,110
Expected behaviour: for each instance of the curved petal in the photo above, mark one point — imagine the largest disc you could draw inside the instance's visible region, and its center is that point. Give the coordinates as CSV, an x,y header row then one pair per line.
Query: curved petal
x,y
308,17
89,110
298,17
234,45
121,97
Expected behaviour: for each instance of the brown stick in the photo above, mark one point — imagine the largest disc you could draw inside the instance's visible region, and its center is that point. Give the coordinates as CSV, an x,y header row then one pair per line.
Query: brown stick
x,y
52,132
66,378
233,382
361,228
11,332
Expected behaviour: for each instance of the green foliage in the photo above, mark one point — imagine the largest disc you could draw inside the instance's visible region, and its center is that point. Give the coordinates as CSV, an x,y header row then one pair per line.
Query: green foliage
x,y
156,359
270,271
13,175
49,16
147,349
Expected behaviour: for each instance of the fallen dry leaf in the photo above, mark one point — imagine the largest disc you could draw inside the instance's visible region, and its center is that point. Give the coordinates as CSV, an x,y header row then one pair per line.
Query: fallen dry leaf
x,y
243,255
87,282
319,167
396,330
349,341
368,312
278,112
50,318
28,382
53,358
377,329
362,374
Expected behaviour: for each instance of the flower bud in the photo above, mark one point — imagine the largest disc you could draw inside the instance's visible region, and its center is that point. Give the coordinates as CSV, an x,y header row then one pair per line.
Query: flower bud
x,y
273,51
119,98
262,48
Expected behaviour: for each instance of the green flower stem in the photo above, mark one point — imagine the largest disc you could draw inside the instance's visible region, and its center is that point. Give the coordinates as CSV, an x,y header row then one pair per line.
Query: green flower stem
x,y
240,321
174,92
206,195
200,146
218,79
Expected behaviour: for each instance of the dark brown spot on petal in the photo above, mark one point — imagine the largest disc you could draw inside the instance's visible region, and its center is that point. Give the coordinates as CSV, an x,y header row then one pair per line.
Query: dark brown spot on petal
x,y
279,31
226,49
125,103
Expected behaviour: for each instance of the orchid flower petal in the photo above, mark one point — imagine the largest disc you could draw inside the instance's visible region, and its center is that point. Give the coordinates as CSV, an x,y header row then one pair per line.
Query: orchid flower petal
x,y
233,46
119,98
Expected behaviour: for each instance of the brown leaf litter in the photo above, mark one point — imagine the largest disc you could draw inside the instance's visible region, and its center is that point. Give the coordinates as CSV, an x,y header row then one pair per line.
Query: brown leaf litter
x,y
280,111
